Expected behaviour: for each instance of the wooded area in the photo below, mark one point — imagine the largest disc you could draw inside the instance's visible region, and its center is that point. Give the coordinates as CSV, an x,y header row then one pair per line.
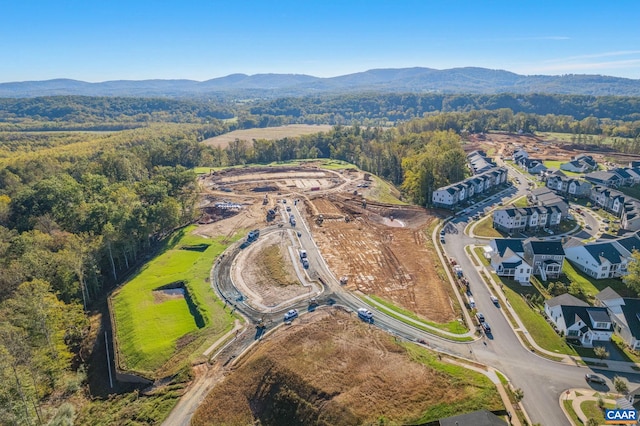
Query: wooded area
x,y
80,209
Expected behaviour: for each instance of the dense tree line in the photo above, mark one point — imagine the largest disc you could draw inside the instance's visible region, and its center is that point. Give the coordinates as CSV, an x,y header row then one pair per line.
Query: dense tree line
x,y
559,113
69,223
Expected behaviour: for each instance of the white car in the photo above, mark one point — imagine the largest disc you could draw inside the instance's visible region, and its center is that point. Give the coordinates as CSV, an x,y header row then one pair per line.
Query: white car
x,y
494,299
291,315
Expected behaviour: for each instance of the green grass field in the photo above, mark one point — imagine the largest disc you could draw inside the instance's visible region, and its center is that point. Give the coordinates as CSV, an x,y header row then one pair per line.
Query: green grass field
x,y
150,330
485,228
536,325
384,192
591,286
556,165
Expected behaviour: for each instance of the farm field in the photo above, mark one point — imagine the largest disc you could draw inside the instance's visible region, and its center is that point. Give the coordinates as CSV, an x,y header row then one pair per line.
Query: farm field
x,y
153,326
270,133
330,368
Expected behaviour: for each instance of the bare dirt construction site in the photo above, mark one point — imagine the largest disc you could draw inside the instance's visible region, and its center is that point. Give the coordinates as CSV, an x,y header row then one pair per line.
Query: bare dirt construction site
x,y
329,368
542,147
265,272
382,249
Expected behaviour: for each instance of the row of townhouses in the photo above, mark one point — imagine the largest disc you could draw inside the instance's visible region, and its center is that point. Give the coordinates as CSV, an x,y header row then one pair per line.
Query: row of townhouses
x,y
615,202
567,186
519,219
479,162
615,178
455,194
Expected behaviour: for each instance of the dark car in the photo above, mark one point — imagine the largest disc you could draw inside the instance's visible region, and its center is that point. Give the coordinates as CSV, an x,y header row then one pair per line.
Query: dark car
x,y
593,378
485,327
480,317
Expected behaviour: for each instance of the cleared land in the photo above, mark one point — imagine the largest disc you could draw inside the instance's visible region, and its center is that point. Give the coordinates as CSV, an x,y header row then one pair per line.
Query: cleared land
x,y
155,330
384,251
270,133
264,271
329,368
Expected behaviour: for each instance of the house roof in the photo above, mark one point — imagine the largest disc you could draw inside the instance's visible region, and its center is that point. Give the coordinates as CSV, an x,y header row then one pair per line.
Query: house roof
x,y
602,176
511,265
603,251
631,311
630,243
545,247
572,314
502,244
541,191
565,299
475,418
607,294
598,315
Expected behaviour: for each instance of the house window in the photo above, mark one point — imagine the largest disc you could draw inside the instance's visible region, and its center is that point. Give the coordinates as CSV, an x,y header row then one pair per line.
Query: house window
x,y
573,333
602,325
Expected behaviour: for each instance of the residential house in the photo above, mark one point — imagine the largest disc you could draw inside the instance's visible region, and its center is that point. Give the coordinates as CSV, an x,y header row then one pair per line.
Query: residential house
x,y
479,162
630,219
579,321
569,186
546,257
519,219
507,261
599,260
609,199
604,178
625,314
451,196
580,164
518,155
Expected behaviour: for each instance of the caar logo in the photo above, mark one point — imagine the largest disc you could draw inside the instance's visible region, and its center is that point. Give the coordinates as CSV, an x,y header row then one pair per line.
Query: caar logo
x,y
620,417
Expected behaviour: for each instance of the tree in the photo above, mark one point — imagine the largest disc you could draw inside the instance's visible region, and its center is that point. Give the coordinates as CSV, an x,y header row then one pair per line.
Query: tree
x,y
632,279
518,394
620,384
601,352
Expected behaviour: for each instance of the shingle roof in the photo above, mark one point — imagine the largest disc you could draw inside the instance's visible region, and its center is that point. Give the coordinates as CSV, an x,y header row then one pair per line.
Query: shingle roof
x,y
565,299
502,244
604,250
546,247
631,310
607,294
630,243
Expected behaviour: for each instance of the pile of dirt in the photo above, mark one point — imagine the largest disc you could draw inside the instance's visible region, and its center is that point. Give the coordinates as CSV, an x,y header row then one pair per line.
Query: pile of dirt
x,y
331,369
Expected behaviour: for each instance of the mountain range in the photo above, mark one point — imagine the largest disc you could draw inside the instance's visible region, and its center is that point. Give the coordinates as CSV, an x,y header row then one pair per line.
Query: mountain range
x,y
468,80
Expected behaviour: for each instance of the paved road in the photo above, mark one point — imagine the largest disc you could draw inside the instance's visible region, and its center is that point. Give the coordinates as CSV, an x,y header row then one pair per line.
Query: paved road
x,y
542,380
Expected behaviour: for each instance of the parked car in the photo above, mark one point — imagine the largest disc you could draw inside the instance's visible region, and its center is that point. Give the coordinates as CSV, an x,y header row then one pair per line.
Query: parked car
x,y
485,327
480,317
293,313
494,299
593,378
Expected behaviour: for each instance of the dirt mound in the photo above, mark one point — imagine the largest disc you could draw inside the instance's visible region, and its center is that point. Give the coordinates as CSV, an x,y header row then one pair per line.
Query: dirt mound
x,y
331,369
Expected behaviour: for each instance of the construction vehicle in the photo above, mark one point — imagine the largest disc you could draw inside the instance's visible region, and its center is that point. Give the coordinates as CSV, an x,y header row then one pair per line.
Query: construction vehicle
x,y
265,201
319,219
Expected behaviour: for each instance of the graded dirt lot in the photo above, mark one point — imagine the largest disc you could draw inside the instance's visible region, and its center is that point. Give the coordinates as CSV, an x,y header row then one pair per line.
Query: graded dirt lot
x,y
269,133
265,272
329,368
383,251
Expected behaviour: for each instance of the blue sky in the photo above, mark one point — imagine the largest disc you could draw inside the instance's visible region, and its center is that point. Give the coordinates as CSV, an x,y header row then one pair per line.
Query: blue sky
x,y
133,40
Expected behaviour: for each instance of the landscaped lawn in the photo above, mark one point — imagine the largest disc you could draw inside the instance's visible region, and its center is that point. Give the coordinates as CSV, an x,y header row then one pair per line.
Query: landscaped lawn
x,y
591,286
148,325
592,411
484,228
539,329
556,165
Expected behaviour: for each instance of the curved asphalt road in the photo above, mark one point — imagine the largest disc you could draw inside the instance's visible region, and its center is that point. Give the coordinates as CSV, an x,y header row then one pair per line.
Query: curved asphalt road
x,y
542,380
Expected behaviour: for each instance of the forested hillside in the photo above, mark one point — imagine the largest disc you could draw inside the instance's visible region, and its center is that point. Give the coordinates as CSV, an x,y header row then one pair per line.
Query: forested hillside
x,y
81,209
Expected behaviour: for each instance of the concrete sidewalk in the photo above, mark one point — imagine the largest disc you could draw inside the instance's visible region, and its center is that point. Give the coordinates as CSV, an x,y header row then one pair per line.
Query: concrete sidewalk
x,y
577,397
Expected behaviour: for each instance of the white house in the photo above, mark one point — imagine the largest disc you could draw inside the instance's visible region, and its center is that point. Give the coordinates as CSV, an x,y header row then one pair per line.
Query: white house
x,y
546,257
506,259
625,314
579,321
599,260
